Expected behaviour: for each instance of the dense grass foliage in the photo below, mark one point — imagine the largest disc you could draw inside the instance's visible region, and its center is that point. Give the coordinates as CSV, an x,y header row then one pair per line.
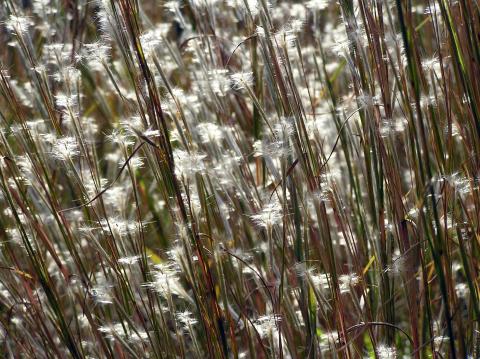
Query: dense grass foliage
x,y
239,179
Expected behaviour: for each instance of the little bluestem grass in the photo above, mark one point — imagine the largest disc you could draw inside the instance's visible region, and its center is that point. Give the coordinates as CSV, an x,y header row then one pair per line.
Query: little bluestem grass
x,y
239,179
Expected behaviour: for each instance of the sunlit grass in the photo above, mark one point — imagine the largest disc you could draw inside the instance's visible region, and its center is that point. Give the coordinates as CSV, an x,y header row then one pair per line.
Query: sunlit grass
x,y
239,179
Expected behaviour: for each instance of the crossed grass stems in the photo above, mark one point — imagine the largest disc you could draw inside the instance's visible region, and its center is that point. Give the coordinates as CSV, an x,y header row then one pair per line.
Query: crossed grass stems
x,y
358,238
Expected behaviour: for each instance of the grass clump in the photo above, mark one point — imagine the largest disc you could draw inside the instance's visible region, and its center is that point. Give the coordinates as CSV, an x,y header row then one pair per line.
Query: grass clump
x,y
239,179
